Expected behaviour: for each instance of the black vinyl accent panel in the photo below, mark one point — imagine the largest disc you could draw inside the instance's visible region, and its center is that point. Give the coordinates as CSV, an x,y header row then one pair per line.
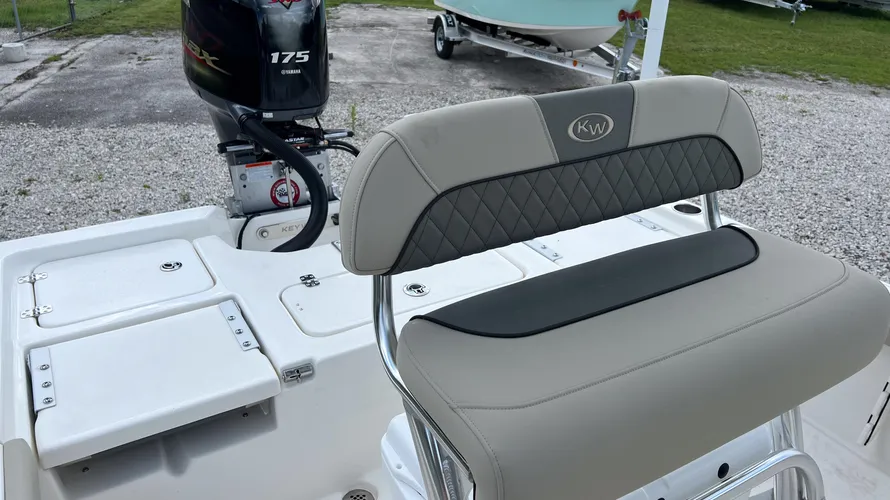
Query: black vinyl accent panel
x,y
577,293
497,212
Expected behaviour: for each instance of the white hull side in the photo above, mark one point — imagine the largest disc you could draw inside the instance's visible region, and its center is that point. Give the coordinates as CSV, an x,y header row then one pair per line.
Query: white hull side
x,y
565,37
574,39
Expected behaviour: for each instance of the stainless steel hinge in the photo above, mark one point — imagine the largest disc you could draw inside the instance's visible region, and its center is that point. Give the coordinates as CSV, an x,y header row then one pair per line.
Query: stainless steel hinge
x,y
645,223
298,373
544,250
31,278
42,383
238,325
36,312
309,280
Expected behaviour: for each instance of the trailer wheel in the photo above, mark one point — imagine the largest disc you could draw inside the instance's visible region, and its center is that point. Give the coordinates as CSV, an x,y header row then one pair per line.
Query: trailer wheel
x,y
444,47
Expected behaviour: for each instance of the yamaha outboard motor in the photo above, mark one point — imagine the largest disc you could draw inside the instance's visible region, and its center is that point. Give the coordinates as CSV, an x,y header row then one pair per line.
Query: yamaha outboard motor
x,y
262,65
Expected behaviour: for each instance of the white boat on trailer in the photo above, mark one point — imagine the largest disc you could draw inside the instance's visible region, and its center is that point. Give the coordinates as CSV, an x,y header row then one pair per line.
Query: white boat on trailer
x,y
554,321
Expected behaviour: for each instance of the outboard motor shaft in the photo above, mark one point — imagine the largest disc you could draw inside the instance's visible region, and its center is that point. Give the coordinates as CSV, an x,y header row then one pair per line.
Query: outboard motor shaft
x,y
261,66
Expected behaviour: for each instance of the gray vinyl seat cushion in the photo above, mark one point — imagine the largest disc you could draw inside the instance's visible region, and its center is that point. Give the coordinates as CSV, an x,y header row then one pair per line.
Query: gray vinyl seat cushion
x,y
607,402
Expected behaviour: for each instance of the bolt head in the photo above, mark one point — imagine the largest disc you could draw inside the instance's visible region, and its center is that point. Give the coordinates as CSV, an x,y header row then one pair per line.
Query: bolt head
x,y
46,384
47,401
239,331
230,318
246,343
44,367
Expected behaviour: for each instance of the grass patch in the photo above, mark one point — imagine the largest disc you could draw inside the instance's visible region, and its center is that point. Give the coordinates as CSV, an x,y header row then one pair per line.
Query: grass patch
x,y
53,58
706,36
45,14
702,36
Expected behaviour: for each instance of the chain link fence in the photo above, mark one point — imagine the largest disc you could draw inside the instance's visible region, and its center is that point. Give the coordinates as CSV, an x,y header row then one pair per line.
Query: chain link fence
x,y
23,19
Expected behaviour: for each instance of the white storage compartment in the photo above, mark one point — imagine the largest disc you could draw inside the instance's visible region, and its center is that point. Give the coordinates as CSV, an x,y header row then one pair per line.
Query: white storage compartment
x,y
99,284
100,392
343,302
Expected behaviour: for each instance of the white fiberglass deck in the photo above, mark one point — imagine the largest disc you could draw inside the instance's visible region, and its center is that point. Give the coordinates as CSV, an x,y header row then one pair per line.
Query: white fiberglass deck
x,y
170,406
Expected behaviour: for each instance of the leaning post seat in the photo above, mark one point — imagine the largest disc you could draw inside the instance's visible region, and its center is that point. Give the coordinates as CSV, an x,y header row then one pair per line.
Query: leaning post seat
x,y
594,380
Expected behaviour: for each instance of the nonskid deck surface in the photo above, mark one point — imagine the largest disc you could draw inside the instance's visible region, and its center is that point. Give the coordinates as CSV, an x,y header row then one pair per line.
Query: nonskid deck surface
x,y
318,438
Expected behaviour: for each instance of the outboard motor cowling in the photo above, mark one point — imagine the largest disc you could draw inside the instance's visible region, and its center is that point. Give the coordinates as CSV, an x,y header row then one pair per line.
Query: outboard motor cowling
x,y
269,56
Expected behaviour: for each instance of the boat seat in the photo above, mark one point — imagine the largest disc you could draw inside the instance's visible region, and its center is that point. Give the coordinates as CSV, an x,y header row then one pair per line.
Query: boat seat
x,y
597,379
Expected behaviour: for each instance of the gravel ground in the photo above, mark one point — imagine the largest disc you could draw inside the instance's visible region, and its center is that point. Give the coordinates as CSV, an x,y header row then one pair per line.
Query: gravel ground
x,y
825,181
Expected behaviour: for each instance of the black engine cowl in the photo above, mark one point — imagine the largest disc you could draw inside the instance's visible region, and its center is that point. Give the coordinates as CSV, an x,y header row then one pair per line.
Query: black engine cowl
x,y
269,56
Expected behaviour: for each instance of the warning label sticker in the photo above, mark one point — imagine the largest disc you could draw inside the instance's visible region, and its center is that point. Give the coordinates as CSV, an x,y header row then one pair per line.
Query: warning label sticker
x,y
279,193
260,171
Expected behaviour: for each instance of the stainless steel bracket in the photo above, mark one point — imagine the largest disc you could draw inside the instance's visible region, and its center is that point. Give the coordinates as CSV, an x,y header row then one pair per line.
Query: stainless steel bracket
x,y
544,250
336,245
42,384
240,329
645,223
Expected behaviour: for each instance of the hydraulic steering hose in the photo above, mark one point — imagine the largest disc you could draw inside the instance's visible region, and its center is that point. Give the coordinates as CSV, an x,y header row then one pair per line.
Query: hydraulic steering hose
x,y
318,196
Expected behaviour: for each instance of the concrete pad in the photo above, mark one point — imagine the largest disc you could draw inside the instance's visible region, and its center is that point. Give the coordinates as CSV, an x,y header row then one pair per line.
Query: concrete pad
x,y
38,49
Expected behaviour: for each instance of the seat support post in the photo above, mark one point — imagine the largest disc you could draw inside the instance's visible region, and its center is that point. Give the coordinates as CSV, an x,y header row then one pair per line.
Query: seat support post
x,y
711,211
787,430
442,466
428,458
777,463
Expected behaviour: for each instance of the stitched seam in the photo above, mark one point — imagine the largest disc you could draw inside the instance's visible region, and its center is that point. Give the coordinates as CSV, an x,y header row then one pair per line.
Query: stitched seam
x,y
804,301
414,162
358,201
546,128
492,458
633,117
725,109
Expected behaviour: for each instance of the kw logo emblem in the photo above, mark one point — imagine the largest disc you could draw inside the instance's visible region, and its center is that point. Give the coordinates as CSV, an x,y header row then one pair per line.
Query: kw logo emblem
x,y
591,127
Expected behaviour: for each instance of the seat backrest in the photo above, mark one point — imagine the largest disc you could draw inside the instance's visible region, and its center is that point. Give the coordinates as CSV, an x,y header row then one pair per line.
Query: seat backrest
x,y
451,182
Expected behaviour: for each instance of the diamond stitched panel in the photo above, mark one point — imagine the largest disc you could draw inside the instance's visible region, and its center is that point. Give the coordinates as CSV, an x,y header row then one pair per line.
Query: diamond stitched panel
x,y
499,212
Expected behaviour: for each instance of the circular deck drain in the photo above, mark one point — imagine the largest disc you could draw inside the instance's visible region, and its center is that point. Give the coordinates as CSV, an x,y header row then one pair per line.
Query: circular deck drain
x,y
170,266
359,495
416,289
687,208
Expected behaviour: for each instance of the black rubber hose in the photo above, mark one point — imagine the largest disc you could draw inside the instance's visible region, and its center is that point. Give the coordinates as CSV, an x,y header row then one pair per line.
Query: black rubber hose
x,y
346,146
318,215
353,152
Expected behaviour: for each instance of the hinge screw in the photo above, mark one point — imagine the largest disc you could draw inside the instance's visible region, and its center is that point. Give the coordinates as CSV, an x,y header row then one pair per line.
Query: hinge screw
x,y
44,367
245,344
239,331
47,401
230,318
46,384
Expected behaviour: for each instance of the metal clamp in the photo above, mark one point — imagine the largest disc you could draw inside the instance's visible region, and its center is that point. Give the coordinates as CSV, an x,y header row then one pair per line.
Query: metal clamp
x,y
31,278
298,373
238,325
42,385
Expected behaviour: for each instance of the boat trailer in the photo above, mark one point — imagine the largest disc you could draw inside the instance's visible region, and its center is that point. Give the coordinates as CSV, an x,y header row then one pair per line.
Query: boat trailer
x,y
612,64
797,7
